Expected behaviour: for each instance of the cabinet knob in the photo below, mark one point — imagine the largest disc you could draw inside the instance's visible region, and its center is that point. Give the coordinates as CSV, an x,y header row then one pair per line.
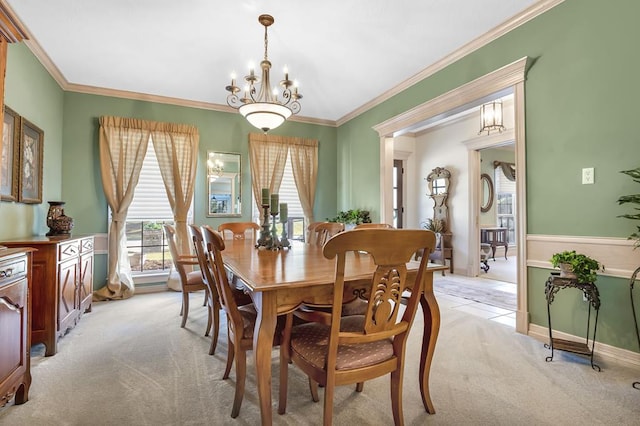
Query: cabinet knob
x,y
6,273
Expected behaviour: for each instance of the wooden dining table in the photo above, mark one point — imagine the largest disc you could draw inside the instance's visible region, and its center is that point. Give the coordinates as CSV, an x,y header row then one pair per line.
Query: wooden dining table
x,y
279,281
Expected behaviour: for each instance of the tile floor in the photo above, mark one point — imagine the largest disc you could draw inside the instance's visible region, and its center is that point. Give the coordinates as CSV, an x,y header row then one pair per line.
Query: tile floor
x,y
493,313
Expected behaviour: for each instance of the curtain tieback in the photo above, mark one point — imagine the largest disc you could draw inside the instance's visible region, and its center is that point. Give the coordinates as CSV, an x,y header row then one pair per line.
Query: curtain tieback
x,y
119,217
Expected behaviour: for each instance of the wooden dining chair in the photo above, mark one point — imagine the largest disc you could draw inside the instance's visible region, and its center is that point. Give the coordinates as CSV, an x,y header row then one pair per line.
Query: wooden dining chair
x,y
373,226
240,319
212,294
239,230
357,348
322,231
190,281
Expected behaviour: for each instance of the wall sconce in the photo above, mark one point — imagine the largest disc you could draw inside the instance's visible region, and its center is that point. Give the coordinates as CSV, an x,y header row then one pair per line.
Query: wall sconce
x,y
491,117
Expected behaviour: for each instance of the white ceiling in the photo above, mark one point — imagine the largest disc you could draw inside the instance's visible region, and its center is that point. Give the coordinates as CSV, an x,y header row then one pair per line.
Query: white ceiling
x,y
343,53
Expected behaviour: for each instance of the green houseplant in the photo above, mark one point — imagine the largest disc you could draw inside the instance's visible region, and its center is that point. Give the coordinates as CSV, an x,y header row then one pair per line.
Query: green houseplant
x,y
635,199
576,265
352,217
435,225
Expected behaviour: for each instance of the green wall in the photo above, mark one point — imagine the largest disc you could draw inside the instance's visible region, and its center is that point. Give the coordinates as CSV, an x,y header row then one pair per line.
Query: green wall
x,y
35,95
82,185
581,103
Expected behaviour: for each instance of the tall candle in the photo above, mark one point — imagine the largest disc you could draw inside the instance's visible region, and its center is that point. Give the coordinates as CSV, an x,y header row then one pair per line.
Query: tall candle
x,y
265,196
284,211
274,203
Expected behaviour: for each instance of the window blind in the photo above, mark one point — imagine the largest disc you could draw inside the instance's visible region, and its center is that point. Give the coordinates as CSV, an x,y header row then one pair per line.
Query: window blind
x,y
150,200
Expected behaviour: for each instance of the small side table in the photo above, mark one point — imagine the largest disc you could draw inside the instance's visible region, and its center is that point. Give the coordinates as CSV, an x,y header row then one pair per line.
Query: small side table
x,y
554,284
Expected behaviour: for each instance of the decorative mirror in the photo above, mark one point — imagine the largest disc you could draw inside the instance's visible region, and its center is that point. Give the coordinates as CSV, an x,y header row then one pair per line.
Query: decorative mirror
x,y
487,193
223,184
438,182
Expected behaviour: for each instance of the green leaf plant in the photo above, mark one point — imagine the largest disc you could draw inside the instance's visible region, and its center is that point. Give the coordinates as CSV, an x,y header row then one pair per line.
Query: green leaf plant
x,y
634,199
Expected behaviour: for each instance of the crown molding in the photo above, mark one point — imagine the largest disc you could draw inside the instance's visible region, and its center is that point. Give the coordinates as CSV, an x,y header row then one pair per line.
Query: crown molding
x,y
11,29
511,24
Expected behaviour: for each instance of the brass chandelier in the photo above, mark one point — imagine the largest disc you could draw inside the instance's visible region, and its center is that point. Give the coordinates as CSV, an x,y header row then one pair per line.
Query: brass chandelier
x,y
261,106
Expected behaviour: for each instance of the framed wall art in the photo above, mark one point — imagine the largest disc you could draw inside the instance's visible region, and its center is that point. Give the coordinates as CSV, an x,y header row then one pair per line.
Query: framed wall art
x,y
9,164
31,149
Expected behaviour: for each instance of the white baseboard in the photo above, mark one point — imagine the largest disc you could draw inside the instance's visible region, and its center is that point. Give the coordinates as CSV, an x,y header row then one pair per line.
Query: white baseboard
x,y
541,333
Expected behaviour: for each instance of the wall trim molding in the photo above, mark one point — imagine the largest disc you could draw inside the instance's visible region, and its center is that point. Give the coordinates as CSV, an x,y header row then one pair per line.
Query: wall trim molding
x,y
602,350
506,76
616,254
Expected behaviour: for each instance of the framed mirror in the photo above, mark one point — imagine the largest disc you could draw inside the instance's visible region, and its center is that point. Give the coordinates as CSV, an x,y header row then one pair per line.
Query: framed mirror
x,y
487,193
438,181
224,195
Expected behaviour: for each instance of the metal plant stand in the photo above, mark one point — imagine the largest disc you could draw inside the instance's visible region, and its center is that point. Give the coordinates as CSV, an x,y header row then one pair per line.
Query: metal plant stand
x,y
633,309
554,284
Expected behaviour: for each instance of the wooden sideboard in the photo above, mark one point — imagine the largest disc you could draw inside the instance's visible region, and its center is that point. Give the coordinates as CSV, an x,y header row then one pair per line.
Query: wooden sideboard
x,y
15,280
62,286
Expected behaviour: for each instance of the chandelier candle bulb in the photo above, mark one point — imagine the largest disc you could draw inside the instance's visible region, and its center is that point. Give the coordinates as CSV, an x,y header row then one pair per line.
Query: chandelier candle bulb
x,y
265,196
274,203
284,212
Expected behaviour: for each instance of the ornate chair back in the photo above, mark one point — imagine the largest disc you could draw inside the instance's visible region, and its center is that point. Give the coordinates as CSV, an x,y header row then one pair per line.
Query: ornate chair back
x,y
238,230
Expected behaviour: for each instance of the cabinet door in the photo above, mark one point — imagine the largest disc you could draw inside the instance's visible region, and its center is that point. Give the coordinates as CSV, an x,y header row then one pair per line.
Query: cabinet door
x,y
13,327
67,293
86,282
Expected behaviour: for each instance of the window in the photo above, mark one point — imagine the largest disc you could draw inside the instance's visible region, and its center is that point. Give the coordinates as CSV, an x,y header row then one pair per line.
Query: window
x,y
288,194
398,207
146,245
506,204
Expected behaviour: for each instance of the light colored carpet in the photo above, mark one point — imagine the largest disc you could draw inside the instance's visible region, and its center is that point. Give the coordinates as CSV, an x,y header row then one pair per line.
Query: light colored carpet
x,y
129,363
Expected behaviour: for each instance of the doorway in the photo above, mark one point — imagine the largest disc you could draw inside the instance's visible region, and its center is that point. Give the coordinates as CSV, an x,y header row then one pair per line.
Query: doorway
x,y
508,79
498,215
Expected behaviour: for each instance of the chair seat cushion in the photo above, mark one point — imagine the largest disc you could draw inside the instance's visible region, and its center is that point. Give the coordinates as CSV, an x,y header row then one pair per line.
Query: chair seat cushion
x,y
194,281
309,341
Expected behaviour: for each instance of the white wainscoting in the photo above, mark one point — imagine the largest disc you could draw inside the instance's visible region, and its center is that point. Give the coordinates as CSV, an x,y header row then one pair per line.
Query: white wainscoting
x,y
617,255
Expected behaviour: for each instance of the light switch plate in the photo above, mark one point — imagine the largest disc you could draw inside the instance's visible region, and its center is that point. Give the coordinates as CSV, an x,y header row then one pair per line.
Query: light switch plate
x,y
587,176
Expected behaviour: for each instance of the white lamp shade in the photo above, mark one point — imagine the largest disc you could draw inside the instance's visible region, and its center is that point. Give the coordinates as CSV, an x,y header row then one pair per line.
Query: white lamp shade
x,y
265,116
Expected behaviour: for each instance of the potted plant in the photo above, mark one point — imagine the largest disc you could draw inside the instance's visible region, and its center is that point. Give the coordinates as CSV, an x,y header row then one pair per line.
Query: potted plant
x,y
435,225
576,265
635,199
352,217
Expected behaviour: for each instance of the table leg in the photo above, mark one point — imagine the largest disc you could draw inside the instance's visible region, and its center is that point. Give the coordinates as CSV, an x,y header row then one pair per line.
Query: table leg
x,y
431,313
265,303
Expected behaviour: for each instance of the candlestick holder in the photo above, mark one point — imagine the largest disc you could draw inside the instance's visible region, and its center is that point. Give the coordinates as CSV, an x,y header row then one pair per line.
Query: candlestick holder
x,y
265,236
275,242
284,242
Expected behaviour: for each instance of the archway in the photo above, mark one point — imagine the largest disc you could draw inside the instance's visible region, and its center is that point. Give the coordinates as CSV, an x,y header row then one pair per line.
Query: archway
x,y
509,78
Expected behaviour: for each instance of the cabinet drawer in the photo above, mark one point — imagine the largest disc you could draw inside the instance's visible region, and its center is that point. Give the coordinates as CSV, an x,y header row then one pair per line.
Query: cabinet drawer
x,y
10,270
86,245
68,250
14,296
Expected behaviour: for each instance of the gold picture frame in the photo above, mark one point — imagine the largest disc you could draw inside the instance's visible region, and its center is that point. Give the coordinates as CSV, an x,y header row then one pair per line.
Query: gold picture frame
x,y
31,150
9,162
